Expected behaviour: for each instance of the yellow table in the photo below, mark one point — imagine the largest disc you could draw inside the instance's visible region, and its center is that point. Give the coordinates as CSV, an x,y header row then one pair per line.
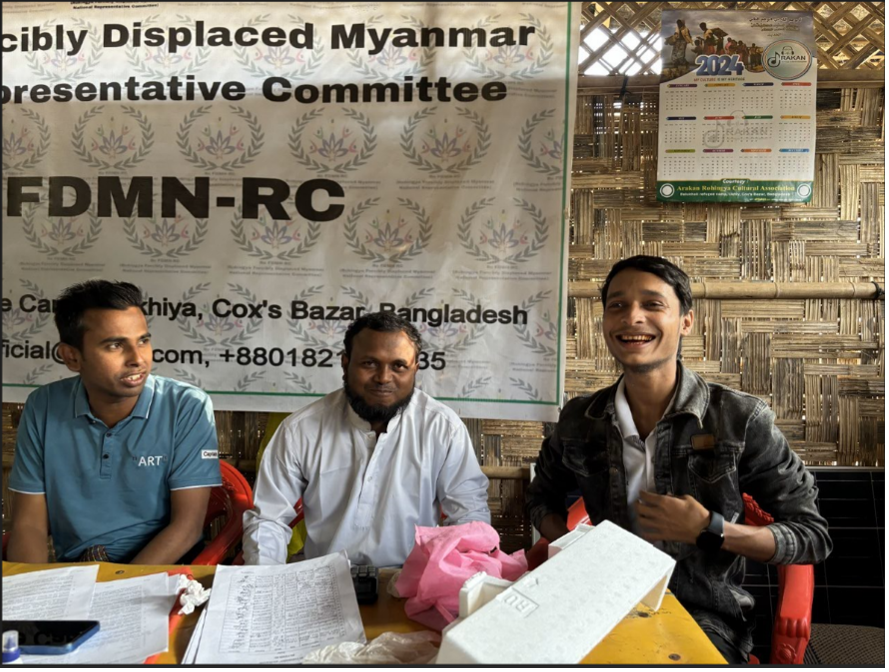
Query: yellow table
x,y
644,637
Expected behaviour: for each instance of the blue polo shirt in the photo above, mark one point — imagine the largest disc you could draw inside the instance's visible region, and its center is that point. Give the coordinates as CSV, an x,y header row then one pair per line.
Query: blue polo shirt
x,y
112,486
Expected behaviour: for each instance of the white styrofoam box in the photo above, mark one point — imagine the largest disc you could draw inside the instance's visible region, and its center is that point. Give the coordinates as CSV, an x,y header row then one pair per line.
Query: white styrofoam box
x,y
559,612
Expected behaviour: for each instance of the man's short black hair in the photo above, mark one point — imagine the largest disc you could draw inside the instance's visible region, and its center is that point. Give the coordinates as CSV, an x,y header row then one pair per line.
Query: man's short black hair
x,y
75,300
386,322
666,271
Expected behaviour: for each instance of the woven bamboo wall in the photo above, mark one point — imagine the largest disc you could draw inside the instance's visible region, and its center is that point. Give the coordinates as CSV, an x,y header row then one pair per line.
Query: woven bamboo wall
x,y
818,363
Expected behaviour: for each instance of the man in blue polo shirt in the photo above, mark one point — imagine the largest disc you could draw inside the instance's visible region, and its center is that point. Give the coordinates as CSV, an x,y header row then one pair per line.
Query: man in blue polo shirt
x,y
115,463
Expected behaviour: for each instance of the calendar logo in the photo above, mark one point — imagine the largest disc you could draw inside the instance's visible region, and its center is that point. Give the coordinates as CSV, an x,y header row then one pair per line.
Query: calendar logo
x,y
787,59
667,190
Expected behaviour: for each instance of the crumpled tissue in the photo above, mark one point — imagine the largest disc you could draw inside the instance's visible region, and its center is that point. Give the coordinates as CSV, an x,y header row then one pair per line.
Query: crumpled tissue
x,y
193,594
390,648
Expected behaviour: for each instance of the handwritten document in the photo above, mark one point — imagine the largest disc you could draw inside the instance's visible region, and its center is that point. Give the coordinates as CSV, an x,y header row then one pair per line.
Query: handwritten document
x,y
278,613
51,594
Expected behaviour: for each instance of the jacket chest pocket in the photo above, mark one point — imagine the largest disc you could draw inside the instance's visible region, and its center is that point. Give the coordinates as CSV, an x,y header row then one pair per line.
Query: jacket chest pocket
x,y
590,467
708,466
713,481
578,457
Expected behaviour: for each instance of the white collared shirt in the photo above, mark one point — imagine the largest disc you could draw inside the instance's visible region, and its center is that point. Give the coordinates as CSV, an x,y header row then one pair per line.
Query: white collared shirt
x,y
638,455
362,493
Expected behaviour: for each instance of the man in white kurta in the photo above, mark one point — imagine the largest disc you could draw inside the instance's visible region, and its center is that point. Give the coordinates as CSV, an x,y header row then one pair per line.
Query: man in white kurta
x,y
370,461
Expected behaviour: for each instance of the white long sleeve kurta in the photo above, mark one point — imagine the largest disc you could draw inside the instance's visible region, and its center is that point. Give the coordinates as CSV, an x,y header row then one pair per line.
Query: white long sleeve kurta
x,y
363,494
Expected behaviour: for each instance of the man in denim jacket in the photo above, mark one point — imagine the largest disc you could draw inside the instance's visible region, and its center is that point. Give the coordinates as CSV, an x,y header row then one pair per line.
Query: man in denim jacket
x,y
667,455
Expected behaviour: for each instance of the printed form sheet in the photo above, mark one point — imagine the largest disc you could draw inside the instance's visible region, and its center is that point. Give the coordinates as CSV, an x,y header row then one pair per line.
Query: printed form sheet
x,y
277,614
133,617
52,594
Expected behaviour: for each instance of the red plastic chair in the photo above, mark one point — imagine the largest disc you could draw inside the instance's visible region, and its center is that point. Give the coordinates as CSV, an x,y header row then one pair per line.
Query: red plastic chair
x,y
231,500
796,588
793,614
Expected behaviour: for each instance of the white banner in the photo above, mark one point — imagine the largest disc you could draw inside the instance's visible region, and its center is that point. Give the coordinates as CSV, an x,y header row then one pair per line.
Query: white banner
x,y
267,172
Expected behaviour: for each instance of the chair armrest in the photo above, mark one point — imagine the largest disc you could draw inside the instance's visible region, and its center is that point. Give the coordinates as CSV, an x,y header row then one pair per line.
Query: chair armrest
x,y
793,615
577,515
228,537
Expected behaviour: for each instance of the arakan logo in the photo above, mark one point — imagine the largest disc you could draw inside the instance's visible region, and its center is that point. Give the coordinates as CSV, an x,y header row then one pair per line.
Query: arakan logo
x,y
787,59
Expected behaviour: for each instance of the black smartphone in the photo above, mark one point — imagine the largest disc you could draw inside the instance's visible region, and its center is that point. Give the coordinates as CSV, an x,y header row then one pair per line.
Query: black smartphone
x,y
48,638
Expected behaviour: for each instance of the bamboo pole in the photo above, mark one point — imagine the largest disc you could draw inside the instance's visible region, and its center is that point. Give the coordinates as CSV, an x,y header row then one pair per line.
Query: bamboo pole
x,y
590,85
586,289
508,473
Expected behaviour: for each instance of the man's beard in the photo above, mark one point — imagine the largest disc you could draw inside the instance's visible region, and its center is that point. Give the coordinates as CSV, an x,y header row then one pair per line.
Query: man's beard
x,y
374,413
641,369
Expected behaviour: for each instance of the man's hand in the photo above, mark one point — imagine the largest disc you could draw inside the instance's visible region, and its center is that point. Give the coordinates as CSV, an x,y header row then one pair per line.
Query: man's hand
x,y
553,526
665,518
188,510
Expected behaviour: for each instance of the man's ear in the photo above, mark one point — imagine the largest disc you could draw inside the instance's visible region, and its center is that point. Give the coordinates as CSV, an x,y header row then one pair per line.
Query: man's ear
x,y
344,362
686,321
71,356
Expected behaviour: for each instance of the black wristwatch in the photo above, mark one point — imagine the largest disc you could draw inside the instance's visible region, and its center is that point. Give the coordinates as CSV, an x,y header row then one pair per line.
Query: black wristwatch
x,y
712,537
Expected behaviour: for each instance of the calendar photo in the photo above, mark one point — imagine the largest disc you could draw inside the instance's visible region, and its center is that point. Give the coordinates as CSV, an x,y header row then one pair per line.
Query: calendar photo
x,y
737,106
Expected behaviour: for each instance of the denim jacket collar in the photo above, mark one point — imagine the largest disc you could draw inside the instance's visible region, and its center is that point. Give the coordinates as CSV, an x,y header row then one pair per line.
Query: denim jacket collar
x,y
692,397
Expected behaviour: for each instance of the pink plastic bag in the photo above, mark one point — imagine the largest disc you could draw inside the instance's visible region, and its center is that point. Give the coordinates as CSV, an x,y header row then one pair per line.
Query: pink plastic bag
x,y
441,561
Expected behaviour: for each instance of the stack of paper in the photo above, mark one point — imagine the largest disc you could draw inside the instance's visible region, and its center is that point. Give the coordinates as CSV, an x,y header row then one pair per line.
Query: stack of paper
x,y
277,614
133,614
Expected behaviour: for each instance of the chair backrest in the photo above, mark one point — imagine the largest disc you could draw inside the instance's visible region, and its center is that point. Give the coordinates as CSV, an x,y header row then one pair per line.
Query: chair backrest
x,y
232,500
